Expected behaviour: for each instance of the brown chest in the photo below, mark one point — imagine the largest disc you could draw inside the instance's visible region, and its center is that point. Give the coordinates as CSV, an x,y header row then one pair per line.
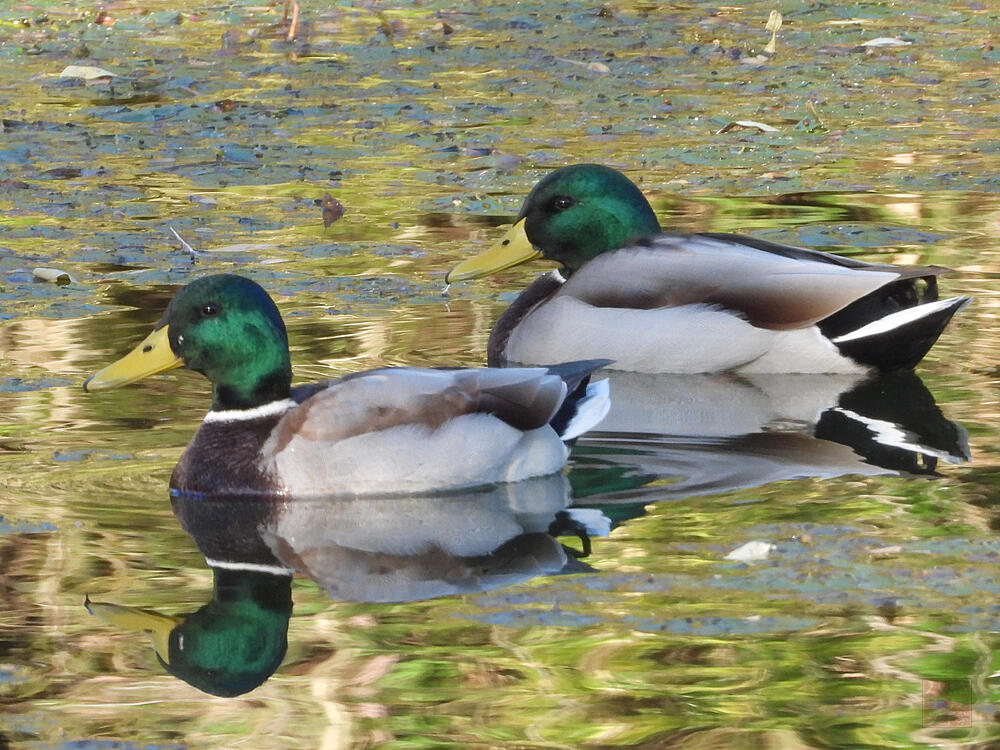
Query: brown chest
x,y
224,458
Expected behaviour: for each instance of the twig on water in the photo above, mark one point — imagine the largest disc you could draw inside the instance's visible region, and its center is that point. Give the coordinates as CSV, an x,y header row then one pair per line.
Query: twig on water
x,y
185,245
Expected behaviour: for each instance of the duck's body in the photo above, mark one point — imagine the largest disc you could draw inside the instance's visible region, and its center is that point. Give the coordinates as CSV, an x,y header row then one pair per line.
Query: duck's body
x,y
656,302
385,431
400,430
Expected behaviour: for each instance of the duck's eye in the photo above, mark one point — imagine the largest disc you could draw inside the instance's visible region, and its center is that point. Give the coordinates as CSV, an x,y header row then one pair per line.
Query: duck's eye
x,y
210,309
561,202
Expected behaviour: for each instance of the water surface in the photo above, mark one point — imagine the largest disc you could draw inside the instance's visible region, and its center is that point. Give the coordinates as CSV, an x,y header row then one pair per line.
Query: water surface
x,y
873,620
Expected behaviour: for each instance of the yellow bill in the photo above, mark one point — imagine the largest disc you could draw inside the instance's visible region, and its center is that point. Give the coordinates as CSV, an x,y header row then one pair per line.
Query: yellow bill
x,y
514,248
157,626
152,355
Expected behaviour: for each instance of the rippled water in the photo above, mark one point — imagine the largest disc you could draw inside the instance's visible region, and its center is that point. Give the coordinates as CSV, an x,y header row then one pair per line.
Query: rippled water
x,y
871,623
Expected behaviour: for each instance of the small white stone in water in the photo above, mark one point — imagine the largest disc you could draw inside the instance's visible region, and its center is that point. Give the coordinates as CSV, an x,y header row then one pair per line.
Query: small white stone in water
x,y
751,552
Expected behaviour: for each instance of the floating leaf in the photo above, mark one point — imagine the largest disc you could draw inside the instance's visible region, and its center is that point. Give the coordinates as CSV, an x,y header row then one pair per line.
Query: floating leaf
x,y
332,210
751,552
773,25
593,67
888,551
885,41
752,124
203,200
813,123
53,275
86,72
62,173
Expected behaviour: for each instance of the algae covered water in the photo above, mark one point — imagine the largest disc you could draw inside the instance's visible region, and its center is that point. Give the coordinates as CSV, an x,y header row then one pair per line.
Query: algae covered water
x,y
743,565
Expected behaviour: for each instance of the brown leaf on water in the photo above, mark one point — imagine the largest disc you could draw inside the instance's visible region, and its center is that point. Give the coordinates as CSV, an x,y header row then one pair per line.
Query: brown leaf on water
x,y
390,27
62,173
332,210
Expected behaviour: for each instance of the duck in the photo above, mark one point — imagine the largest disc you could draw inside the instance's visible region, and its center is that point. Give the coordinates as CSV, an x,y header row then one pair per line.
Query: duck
x,y
660,302
386,431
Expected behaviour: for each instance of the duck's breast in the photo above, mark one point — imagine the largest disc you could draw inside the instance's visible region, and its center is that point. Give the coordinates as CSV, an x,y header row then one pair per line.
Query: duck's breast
x,y
223,458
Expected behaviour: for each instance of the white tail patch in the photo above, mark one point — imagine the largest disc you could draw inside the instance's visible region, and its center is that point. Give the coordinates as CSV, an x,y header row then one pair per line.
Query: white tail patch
x,y
593,521
902,318
590,410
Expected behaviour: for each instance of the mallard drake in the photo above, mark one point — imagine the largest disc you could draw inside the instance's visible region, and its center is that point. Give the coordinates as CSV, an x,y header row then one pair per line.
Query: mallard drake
x,y
393,430
699,303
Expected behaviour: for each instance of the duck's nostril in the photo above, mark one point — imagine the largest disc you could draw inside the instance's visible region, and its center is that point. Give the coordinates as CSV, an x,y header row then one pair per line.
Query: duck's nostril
x,y
147,348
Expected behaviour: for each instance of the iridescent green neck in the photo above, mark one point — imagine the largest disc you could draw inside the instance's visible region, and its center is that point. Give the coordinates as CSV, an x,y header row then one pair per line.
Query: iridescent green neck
x,y
576,213
227,328
267,378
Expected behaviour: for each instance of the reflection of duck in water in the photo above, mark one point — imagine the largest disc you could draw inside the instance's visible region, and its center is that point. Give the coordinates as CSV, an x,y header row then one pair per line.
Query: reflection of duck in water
x,y
655,302
406,548
229,646
384,431
713,433
358,549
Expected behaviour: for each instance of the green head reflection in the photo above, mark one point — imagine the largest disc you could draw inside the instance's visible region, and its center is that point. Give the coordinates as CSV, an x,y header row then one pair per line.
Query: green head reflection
x,y
229,646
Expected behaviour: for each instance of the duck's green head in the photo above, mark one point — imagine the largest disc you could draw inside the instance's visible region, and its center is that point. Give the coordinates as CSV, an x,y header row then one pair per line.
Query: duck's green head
x,y
571,216
223,326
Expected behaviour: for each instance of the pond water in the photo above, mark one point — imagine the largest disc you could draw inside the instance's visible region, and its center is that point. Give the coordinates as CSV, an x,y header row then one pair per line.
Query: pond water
x,y
872,619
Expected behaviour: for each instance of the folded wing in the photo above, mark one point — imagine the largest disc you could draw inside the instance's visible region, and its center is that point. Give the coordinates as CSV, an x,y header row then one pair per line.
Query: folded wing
x,y
769,289
524,398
